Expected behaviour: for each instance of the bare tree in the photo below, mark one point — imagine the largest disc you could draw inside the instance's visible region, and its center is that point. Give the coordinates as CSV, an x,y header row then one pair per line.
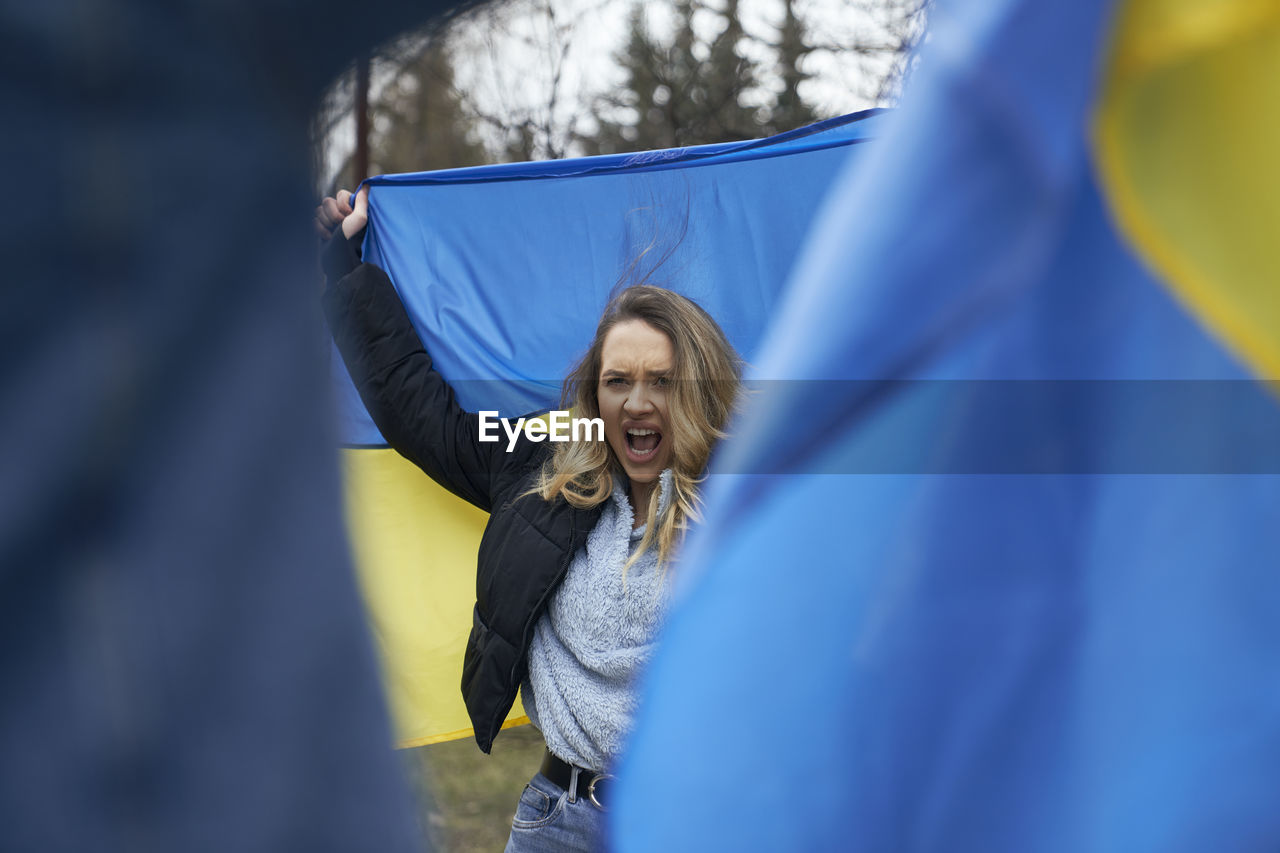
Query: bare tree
x,y
867,44
525,62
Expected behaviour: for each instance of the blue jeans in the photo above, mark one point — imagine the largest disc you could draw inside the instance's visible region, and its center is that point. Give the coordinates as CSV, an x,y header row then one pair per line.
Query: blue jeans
x,y
546,822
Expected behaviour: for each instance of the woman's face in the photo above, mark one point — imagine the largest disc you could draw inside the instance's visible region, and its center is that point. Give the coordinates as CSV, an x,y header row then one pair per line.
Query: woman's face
x,y
635,374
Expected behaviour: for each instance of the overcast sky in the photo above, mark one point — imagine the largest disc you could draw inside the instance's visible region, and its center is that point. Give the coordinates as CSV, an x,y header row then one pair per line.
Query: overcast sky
x,y
506,55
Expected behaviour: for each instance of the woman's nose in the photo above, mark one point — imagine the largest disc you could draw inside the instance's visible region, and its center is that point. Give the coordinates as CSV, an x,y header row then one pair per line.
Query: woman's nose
x,y
638,401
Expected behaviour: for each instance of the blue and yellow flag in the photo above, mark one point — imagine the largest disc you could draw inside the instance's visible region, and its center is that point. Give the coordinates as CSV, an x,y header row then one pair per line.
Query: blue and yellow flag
x,y
505,271
993,561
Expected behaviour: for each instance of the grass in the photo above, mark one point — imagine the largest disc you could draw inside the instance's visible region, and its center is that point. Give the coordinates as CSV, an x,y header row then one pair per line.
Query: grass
x,y
467,798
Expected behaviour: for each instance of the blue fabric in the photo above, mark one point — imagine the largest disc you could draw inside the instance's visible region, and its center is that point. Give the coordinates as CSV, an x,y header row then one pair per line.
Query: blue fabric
x,y
182,647
1041,640
506,269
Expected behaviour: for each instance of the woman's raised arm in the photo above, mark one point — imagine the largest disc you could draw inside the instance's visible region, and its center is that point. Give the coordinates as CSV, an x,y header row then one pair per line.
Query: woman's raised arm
x,y
412,405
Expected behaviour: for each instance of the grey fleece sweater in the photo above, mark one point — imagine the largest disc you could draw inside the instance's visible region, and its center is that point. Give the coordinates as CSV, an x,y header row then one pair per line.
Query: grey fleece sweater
x,y
596,636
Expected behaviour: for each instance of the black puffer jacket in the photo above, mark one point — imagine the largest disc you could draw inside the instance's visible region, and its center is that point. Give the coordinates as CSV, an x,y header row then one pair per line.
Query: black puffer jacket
x,y
528,542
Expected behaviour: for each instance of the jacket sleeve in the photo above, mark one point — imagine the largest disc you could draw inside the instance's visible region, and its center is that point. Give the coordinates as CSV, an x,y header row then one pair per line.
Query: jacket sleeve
x,y
412,405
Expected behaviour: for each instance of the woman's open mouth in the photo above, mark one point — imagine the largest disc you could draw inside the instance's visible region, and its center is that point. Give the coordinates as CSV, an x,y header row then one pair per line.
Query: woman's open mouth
x,y
642,444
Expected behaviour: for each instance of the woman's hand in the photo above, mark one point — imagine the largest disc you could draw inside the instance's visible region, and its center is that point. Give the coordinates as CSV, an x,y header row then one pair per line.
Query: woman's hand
x,y
332,212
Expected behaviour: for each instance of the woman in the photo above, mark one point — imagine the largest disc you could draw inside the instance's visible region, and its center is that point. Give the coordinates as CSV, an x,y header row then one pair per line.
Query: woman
x,y
572,579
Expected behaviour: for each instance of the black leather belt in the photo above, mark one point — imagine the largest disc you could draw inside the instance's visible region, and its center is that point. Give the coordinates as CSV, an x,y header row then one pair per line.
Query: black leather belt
x,y
594,786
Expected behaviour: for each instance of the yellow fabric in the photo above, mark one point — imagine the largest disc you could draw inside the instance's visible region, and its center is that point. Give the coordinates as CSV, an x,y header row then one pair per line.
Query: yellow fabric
x,y
1187,137
415,550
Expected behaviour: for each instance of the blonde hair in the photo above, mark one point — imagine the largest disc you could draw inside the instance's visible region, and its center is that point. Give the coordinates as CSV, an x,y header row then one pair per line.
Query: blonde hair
x,y
705,378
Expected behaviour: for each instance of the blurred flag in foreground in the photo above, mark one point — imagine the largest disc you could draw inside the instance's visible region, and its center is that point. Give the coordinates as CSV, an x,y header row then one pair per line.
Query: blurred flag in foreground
x,y
505,271
994,563
185,662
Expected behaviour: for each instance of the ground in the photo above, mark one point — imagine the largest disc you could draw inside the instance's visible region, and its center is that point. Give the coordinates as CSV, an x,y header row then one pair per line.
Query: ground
x,y
467,798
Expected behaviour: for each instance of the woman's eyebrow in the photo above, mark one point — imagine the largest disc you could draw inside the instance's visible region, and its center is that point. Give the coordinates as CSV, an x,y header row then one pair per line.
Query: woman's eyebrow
x,y
617,371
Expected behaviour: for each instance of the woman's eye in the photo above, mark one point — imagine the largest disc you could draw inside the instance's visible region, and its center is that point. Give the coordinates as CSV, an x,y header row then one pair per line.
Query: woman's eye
x,y
615,382
662,382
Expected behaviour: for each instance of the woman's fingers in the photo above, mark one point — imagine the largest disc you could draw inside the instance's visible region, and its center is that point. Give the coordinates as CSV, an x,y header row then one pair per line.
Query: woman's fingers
x,y
359,216
335,212
332,212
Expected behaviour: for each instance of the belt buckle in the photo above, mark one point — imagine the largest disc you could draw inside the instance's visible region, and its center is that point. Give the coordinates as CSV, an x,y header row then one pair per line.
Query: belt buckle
x,y
591,790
